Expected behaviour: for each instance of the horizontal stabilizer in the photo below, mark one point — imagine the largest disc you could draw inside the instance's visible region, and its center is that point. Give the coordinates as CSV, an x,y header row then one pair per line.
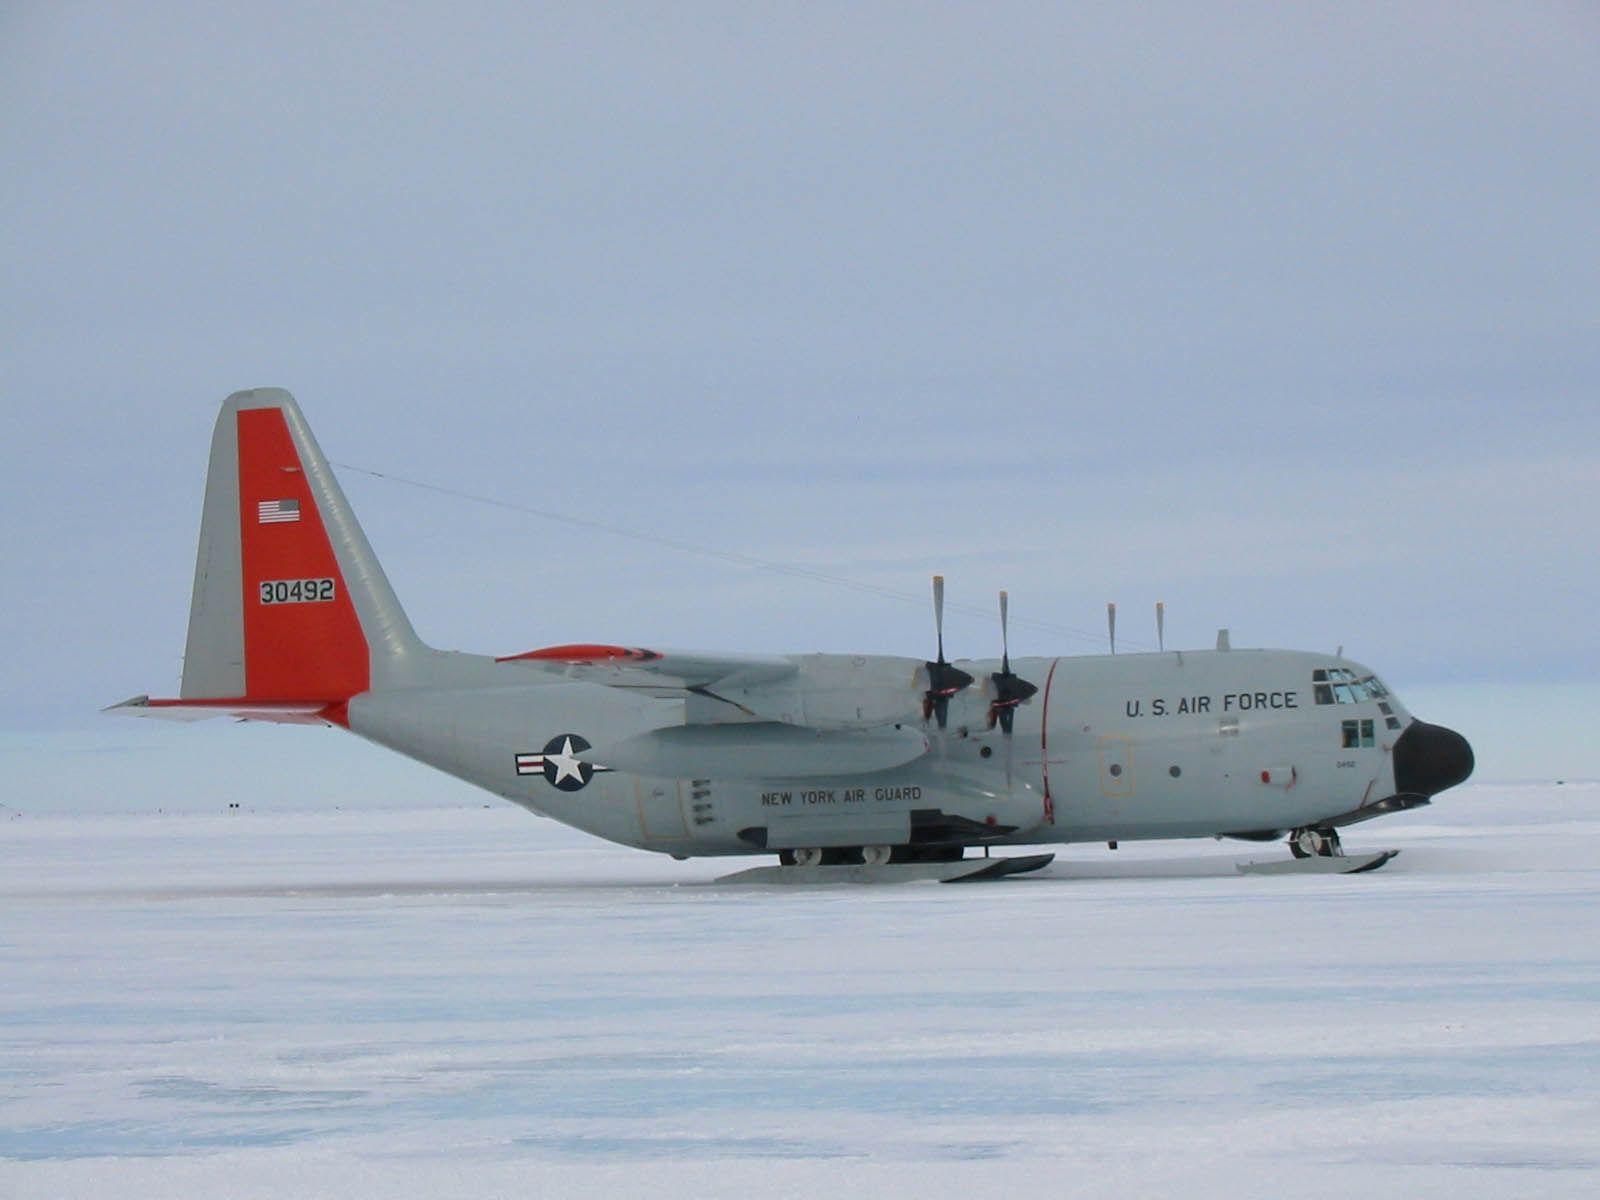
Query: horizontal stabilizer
x,y
284,712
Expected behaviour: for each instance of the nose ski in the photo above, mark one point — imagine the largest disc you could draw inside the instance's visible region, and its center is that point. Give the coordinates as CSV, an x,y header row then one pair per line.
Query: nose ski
x,y
1326,864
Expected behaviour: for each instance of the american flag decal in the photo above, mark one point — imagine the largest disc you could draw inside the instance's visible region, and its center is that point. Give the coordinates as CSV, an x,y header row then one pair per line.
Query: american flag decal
x,y
275,512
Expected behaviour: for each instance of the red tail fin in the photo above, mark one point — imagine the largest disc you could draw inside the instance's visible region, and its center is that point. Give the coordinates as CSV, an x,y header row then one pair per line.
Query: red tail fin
x,y
302,637
291,614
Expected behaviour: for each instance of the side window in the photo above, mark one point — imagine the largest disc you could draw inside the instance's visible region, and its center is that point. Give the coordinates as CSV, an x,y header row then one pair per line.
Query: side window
x,y
1366,733
1350,734
1324,692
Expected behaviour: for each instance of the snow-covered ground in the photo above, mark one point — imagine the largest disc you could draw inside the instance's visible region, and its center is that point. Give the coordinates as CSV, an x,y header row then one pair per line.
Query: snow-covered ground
x,y
474,1002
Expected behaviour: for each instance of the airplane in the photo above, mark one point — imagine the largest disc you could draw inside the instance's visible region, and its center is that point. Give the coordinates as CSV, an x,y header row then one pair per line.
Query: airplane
x,y
840,765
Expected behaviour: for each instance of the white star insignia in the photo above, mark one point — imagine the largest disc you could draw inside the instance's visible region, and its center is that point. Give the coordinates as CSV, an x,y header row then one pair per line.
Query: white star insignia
x,y
566,765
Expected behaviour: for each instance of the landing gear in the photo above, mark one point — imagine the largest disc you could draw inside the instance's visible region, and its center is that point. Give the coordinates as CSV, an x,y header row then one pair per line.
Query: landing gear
x,y
1315,843
818,856
1317,851
927,854
870,856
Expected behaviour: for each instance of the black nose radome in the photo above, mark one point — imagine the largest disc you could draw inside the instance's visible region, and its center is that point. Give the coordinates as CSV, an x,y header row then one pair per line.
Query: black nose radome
x,y
1430,758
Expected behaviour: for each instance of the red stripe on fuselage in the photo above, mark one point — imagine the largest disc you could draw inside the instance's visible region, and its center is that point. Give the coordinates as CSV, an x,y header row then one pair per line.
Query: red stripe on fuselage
x,y
1044,745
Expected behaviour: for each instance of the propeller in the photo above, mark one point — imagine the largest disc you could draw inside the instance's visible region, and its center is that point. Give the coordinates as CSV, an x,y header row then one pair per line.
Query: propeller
x,y
944,680
1010,689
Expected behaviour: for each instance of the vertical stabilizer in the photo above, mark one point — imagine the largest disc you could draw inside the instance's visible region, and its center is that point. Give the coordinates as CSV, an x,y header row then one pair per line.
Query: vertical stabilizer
x,y
289,601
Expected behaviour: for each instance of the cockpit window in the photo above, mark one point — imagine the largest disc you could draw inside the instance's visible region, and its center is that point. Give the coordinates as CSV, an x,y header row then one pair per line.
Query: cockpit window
x,y
1356,734
1338,685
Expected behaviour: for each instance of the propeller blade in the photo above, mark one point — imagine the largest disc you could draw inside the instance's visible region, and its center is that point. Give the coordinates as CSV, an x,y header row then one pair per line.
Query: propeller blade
x,y
1005,639
1009,688
944,680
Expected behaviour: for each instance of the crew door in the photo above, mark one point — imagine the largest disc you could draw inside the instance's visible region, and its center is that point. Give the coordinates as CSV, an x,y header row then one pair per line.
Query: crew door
x,y
1115,751
661,810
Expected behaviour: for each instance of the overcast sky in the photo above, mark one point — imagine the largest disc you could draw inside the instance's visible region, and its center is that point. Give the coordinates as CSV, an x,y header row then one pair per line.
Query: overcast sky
x,y
1287,315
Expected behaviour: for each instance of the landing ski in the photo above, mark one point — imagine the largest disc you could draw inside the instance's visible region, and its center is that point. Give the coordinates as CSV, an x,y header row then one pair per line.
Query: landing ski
x,y
1339,864
967,870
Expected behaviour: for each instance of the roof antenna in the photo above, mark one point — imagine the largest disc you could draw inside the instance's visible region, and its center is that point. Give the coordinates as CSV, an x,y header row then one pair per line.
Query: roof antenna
x,y
1224,642
1161,625
1111,625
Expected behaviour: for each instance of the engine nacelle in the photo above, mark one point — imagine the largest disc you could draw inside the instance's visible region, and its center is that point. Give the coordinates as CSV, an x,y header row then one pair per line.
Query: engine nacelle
x,y
839,691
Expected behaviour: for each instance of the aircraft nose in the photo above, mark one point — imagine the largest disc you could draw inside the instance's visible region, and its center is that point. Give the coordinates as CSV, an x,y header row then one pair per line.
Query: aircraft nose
x,y
1430,758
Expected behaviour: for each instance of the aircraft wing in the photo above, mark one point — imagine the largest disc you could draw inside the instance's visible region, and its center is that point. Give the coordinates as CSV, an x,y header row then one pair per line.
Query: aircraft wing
x,y
664,672
816,691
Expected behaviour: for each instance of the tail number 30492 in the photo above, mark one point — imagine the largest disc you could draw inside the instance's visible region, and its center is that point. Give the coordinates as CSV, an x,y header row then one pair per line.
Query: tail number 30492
x,y
296,591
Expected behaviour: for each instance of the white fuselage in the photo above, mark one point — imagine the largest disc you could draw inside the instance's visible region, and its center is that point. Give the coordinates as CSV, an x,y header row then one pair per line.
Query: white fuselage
x,y
863,758
1112,747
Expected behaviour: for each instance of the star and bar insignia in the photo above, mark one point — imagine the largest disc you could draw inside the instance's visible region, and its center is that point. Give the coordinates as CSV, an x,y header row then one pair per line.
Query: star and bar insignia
x,y
559,763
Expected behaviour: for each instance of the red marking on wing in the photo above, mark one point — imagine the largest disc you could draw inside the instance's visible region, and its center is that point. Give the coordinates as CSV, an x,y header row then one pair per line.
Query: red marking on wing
x,y
584,652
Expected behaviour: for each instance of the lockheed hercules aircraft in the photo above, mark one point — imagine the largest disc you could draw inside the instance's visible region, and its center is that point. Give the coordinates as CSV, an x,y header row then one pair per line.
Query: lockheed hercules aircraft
x,y
840,765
